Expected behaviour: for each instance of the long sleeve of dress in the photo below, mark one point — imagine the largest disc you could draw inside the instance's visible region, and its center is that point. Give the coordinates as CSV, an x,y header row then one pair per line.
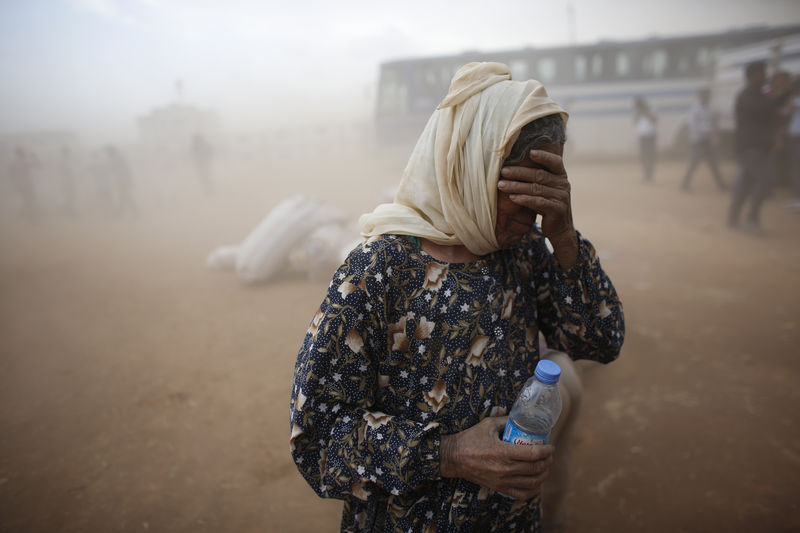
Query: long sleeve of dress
x,y
342,444
579,310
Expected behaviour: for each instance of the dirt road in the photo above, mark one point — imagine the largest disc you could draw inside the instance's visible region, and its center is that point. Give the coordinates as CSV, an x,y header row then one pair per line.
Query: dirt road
x,y
140,391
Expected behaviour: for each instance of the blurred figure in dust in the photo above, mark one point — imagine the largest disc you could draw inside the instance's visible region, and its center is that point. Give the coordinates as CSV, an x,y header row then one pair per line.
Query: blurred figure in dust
x,y
793,144
67,183
202,158
121,182
97,169
756,130
780,84
644,119
20,173
701,130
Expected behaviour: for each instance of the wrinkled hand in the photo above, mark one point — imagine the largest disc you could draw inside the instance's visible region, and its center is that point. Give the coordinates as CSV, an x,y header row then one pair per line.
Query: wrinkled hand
x,y
541,185
477,454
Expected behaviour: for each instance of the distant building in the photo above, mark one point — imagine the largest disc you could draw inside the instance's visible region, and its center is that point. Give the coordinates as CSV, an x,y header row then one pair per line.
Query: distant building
x,y
167,132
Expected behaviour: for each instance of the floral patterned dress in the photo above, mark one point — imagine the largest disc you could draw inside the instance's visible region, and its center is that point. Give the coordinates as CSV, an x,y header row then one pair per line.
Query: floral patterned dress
x,y
406,348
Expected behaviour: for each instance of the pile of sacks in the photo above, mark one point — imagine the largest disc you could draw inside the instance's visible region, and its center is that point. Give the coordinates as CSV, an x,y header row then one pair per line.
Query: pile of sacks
x,y
299,234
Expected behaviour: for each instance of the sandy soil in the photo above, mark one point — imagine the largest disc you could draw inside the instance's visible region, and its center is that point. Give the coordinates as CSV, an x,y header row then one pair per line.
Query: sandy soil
x,y
140,391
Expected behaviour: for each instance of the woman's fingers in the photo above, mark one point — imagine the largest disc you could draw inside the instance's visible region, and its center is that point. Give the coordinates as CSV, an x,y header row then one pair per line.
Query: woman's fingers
x,y
478,455
525,474
542,205
527,454
533,182
495,424
526,482
552,162
534,189
523,487
531,175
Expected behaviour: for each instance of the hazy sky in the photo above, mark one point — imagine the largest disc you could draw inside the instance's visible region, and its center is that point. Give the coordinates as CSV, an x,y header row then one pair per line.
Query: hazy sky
x,y
94,65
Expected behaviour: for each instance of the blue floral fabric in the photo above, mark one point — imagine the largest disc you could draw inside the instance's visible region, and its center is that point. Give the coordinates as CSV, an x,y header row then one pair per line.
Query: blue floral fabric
x,y
406,348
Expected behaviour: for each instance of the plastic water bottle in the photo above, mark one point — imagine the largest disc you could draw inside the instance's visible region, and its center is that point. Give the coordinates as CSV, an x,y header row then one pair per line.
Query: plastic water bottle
x,y
536,410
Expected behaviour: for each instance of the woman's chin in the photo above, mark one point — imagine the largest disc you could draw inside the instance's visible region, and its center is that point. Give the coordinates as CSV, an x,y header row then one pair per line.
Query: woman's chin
x,y
511,241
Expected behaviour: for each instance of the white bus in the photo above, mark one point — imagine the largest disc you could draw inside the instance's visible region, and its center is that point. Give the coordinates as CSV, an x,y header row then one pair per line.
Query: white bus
x,y
597,84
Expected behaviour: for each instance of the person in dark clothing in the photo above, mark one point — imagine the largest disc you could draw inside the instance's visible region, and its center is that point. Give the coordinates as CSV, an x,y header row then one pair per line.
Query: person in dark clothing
x,y
756,130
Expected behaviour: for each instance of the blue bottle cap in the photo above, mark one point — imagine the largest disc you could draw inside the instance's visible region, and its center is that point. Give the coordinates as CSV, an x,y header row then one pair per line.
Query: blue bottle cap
x,y
547,371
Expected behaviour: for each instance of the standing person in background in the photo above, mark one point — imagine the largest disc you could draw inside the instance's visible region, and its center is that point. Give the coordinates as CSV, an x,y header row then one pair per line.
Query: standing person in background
x,y
99,175
701,130
122,183
67,182
202,159
779,84
793,145
645,120
20,172
756,133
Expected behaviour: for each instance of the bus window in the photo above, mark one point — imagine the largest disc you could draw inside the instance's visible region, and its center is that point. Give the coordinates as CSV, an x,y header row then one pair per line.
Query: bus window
x,y
597,66
623,64
703,58
430,79
519,69
580,68
445,75
546,69
392,95
683,64
655,63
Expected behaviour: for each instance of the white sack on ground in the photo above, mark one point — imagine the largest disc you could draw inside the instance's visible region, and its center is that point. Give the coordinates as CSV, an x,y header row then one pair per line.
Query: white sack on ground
x,y
223,257
265,250
325,249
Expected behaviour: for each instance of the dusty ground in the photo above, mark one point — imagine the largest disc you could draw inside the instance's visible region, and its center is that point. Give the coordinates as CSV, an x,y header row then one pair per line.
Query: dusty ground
x,y
141,392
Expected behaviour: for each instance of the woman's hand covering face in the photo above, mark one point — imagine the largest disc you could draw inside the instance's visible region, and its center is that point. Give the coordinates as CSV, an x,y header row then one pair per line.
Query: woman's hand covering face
x,y
538,185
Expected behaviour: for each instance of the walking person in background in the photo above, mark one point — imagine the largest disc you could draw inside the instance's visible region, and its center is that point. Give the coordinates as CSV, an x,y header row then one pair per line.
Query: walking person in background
x,y
701,130
645,120
757,119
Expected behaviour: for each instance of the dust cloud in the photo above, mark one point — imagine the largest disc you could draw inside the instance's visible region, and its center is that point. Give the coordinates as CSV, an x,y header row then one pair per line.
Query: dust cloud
x,y
142,390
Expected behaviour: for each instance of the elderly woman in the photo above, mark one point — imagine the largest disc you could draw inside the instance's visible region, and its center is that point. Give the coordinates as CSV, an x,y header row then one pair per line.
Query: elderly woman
x,y
430,328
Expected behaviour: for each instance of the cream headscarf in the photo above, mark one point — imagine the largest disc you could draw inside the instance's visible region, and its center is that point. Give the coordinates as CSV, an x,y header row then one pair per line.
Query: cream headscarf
x,y
448,193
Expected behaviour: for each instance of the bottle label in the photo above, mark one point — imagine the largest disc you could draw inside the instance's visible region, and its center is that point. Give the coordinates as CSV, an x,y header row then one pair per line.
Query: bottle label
x,y
514,435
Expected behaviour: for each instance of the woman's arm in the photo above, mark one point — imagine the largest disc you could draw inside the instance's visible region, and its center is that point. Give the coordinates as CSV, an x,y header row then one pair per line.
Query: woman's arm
x,y
579,310
341,441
